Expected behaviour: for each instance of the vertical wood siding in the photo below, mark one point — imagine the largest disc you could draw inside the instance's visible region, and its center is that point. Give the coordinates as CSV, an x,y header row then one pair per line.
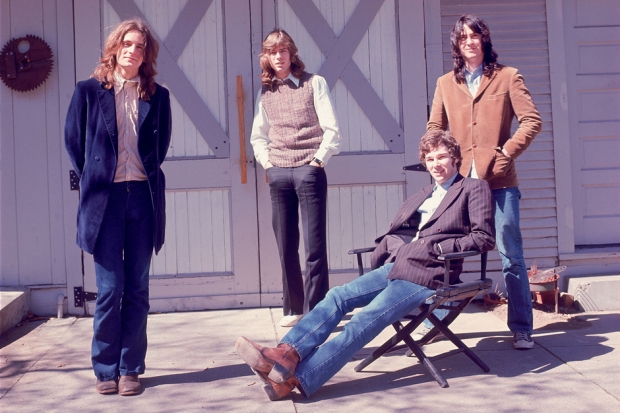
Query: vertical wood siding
x,y
356,213
198,226
376,56
519,35
356,216
198,240
33,161
202,61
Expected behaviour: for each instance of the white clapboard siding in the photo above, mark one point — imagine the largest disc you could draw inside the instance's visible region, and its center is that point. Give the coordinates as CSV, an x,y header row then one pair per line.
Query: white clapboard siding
x,y
197,234
376,56
203,68
356,216
519,35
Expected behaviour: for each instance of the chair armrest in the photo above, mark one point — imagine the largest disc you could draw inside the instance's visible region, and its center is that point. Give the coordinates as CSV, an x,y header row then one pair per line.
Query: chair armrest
x,y
458,255
361,250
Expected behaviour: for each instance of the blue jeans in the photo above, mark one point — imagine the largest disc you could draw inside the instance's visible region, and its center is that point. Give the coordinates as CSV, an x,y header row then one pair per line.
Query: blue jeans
x,y
510,246
122,258
384,301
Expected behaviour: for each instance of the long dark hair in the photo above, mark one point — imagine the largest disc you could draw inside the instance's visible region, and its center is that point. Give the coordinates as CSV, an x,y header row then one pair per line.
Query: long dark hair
x,y
477,25
104,72
276,38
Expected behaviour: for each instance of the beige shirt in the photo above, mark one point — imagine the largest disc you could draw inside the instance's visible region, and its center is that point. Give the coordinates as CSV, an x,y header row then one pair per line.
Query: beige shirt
x,y
129,165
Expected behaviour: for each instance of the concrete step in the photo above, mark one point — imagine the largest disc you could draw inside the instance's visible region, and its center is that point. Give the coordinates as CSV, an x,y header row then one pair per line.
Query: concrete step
x,y
14,304
597,293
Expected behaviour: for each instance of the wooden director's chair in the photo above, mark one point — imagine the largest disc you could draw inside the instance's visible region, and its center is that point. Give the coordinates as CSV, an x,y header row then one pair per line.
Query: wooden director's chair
x,y
453,298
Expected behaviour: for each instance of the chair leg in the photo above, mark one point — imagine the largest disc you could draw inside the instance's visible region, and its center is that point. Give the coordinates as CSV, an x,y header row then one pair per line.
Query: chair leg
x,y
385,347
403,333
457,342
426,362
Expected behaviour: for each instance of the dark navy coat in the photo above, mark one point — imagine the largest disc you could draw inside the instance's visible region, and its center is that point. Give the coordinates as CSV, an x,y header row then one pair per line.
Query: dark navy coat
x,y
91,140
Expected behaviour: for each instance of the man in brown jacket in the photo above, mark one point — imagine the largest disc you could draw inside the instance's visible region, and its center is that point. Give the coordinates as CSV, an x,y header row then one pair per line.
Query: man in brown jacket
x,y
478,101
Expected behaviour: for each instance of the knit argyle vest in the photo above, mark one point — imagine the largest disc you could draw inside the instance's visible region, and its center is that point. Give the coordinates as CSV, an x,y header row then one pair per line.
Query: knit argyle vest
x,y
294,130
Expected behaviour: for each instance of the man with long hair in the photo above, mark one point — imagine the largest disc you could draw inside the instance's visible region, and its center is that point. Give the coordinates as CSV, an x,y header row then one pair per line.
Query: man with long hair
x,y
117,134
455,214
478,101
295,132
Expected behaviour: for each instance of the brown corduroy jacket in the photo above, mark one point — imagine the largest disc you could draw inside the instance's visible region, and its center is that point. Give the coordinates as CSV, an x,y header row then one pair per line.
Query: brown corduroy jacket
x,y
481,124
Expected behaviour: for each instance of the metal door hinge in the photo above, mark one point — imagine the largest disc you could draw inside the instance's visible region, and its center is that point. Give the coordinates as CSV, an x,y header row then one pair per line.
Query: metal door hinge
x,y
79,296
74,180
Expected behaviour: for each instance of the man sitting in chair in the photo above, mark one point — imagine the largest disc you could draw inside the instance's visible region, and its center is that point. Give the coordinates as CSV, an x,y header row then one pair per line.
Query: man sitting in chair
x,y
455,214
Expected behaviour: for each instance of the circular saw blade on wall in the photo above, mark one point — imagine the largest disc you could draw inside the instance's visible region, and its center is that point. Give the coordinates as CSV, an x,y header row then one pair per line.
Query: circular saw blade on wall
x,y
25,63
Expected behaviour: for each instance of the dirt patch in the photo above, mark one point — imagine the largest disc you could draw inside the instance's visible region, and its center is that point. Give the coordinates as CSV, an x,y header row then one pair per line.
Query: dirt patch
x,y
545,317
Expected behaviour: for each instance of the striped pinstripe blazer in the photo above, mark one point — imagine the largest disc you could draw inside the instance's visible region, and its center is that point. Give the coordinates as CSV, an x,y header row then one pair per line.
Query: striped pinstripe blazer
x,y
462,222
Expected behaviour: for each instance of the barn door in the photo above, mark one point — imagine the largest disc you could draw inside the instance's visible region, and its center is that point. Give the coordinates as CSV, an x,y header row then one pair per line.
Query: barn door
x,y
593,57
209,259
371,52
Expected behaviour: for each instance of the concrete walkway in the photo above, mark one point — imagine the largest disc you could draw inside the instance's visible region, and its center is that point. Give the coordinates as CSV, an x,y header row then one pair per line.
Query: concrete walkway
x,y
192,367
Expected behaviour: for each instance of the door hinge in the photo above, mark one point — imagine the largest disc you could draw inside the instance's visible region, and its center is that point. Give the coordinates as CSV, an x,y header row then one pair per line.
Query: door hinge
x,y
79,296
74,180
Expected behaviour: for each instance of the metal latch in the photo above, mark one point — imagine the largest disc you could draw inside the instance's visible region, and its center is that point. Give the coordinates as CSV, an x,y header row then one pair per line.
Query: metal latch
x,y
79,296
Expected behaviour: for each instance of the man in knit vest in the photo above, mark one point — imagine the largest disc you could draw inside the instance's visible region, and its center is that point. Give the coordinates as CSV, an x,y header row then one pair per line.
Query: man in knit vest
x,y
294,134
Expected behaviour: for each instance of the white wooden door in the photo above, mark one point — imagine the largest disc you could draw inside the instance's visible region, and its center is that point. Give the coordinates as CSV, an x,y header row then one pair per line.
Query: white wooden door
x,y
209,259
371,53
592,36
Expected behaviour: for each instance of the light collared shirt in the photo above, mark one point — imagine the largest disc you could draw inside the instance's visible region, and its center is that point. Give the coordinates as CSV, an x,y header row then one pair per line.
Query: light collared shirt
x,y
129,165
472,80
430,205
325,112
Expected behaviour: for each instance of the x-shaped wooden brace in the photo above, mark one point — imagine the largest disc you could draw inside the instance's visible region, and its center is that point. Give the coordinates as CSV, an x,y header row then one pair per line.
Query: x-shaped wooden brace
x,y
339,63
170,50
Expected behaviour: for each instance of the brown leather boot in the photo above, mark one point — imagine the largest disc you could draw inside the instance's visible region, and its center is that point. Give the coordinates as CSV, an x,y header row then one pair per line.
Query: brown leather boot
x,y
279,362
129,386
107,387
276,391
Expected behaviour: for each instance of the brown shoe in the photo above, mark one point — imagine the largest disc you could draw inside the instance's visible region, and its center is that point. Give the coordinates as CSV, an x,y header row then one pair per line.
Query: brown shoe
x,y
279,362
129,386
107,387
277,391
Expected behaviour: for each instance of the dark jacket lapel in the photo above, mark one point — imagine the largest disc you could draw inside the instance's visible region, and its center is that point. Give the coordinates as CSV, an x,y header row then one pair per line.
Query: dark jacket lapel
x,y
143,110
452,193
108,112
410,206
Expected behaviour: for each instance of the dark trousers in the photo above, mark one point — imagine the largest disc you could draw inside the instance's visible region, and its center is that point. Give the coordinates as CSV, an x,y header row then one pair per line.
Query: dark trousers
x,y
122,258
303,188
